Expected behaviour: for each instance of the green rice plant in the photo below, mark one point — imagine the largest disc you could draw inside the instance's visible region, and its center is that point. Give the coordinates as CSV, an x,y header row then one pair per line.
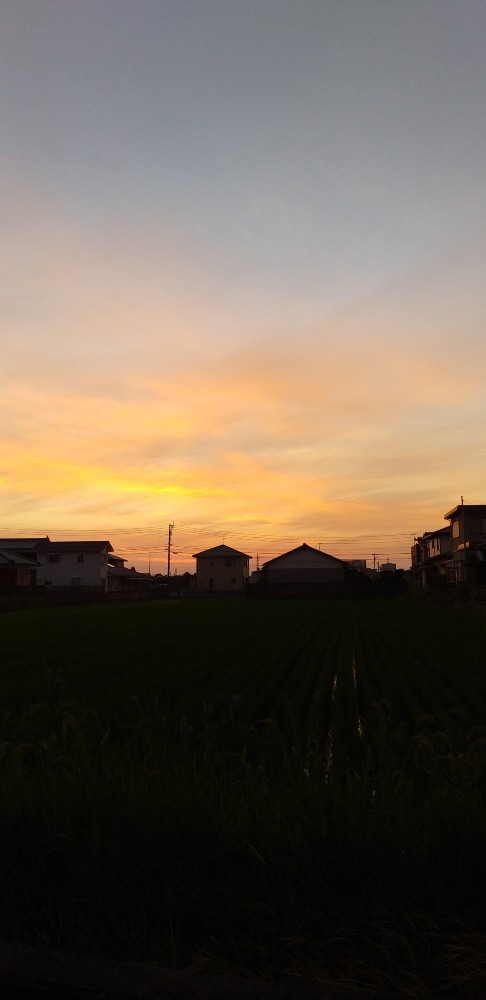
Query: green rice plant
x,y
176,801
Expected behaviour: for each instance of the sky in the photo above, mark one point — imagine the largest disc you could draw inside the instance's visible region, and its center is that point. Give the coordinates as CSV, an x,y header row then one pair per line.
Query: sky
x,y
242,273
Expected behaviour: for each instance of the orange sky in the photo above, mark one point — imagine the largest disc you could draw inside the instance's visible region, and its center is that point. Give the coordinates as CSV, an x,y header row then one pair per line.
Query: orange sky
x,y
243,283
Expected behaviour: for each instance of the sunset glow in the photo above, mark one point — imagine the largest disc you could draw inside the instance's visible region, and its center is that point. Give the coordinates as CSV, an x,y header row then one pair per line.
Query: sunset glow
x,y
243,276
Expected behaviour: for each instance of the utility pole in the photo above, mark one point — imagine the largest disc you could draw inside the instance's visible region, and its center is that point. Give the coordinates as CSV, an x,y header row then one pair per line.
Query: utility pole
x,y
171,528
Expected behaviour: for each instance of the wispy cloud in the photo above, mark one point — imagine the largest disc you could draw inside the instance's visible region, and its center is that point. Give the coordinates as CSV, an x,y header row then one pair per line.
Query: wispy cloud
x,y
137,386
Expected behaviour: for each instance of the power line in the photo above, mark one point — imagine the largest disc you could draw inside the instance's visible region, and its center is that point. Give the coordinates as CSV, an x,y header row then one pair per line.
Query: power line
x,y
362,545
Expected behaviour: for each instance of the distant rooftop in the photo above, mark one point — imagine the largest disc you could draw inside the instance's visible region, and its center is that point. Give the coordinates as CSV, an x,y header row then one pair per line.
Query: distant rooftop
x,y
220,550
304,548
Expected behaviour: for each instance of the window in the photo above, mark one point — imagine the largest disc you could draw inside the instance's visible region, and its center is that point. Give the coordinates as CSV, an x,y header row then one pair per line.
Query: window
x,y
53,559
230,562
455,529
76,581
80,557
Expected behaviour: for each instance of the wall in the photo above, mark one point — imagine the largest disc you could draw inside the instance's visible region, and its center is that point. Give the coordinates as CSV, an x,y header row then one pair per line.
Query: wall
x,y
88,573
226,579
305,564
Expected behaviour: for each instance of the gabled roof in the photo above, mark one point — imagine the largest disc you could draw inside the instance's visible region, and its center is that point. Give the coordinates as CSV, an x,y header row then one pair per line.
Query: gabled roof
x,y
47,546
219,551
304,548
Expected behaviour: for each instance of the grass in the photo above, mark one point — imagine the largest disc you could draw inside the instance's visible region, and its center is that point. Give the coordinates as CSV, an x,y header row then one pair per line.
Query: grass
x,y
254,786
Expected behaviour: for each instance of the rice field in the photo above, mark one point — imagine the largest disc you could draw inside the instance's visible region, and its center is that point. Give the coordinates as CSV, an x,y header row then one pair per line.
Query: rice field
x,y
281,789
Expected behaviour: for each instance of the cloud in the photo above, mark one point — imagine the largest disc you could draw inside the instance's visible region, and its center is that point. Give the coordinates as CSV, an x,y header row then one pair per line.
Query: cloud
x,y
134,393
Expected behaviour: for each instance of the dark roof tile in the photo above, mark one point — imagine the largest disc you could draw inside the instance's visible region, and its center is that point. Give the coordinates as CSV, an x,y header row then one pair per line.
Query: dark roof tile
x,y
221,551
80,546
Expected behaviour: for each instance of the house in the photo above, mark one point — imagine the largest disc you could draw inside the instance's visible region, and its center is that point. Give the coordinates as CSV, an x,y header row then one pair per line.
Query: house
x,y
119,579
221,570
306,571
18,562
454,554
73,564
15,571
431,554
30,562
467,562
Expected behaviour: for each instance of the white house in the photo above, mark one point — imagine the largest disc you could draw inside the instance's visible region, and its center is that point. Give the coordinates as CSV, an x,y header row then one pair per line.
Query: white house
x,y
73,564
79,564
221,570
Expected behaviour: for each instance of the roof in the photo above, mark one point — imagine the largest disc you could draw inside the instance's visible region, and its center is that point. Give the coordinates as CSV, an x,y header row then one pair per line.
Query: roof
x,y
438,531
220,551
21,543
47,546
10,558
122,571
471,508
305,548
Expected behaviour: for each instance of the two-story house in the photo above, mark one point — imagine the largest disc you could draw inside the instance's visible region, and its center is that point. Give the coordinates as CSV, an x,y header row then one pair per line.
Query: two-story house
x,y
431,555
468,543
221,570
73,564
29,562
